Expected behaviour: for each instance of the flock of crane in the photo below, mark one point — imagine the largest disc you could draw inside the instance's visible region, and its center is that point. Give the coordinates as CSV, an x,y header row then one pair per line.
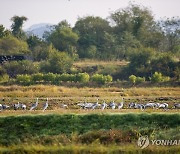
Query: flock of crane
x,y
85,105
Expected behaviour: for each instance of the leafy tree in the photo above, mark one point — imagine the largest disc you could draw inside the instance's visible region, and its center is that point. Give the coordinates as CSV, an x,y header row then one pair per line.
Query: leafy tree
x,y
164,63
20,67
58,62
138,21
140,61
91,31
11,45
63,38
3,32
17,26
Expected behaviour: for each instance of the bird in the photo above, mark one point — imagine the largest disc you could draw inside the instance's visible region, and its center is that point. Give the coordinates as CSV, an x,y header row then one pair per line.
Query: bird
x,y
23,106
5,107
112,105
64,106
120,105
96,104
16,106
45,105
103,105
1,107
34,105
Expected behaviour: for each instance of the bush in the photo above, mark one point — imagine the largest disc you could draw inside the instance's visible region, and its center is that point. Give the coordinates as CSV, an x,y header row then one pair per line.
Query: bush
x,y
101,79
83,77
24,79
132,79
49,77
140,79
37,77
4,78
158,77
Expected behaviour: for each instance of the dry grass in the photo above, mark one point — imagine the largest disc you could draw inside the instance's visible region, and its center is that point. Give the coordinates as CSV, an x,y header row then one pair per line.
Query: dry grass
x,y
89,62
111,92
82,112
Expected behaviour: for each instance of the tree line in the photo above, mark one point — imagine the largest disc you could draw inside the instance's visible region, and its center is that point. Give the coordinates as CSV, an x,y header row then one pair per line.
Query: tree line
x,y
130,34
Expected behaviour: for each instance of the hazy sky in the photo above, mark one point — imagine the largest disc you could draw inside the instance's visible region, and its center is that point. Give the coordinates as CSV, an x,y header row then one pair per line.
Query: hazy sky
x,y
54,11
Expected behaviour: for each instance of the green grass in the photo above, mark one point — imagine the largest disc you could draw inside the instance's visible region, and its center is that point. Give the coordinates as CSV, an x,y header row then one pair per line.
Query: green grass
x,y
18,128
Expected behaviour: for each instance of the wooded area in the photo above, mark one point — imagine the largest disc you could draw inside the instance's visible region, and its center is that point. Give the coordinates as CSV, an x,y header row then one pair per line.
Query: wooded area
x,y
151,48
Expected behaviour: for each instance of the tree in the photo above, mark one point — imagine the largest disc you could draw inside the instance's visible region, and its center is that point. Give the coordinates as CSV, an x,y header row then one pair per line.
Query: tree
x,y
17,26
20,67
91,31
3,32
63,38
139,22
11,45
58,62
171,29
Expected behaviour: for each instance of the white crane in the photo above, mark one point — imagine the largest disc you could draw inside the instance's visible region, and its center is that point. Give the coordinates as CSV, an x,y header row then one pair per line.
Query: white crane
x,y
96,104
5,106
16,106
45,105
34,105
1,107
120,105
103,105
112,105
23,106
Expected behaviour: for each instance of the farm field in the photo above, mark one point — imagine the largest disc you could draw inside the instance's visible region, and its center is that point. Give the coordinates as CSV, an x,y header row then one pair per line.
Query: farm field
x,y
75,130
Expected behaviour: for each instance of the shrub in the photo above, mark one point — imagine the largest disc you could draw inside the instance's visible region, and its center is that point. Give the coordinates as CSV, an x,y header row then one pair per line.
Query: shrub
x,y
101,79
83,77
140,79
132,79
158,77
24,79
4,78
37,77
49,77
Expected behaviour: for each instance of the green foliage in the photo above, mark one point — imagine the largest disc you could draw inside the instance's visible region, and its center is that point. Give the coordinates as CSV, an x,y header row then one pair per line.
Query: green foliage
x,y
24,79
158,77
58,62
132,79
3,32
37,77
140,79
101,79
4,78
11,45
17,26
63,38
20,67
49,77
107,127
83,77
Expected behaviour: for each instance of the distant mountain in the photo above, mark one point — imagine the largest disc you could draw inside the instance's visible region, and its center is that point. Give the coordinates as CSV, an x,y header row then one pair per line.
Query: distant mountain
x,y
39,29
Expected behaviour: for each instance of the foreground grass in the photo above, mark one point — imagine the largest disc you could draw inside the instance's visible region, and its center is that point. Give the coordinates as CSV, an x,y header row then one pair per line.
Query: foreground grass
x,y
18,129
93,149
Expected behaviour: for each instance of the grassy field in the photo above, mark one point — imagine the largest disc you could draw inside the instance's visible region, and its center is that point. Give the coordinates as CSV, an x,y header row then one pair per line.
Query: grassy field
x,y
71,96
74,133
74,130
